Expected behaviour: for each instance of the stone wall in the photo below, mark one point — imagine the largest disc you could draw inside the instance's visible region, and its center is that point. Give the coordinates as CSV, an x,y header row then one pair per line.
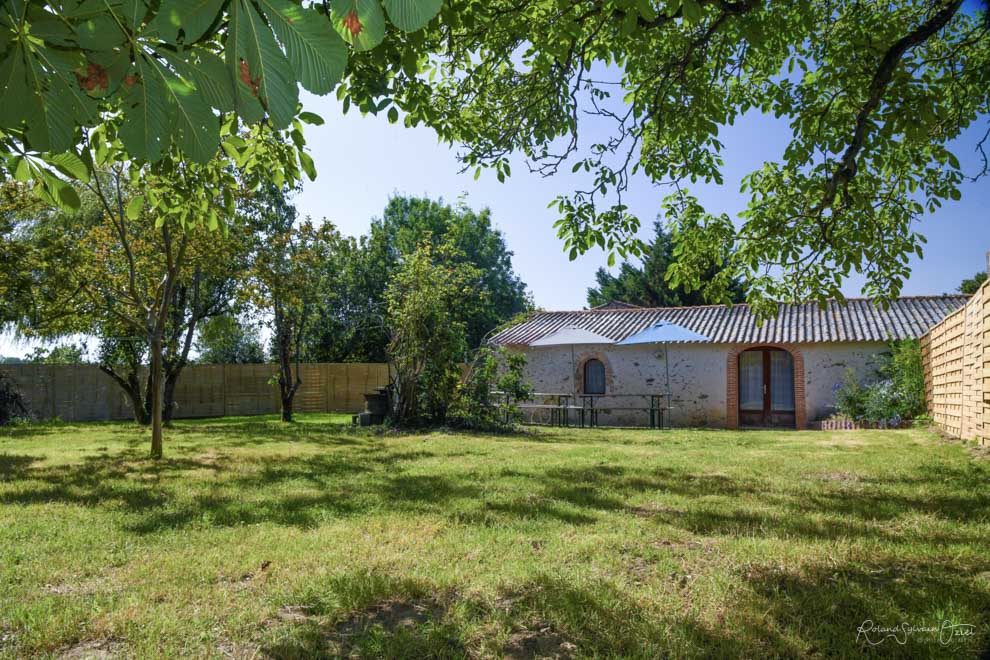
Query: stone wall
x,y
698,377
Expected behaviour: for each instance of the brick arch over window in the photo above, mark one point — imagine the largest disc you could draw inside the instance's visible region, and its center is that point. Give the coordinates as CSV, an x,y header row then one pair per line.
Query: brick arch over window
x,y
732,384
579,363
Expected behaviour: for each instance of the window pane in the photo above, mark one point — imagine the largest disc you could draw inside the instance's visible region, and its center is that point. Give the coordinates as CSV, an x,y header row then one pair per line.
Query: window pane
x,y
751,380
594,377
781,381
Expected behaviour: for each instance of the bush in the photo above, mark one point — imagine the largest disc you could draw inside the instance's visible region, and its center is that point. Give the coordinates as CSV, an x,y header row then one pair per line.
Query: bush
x,y
897,395
850,396
477,407
12,405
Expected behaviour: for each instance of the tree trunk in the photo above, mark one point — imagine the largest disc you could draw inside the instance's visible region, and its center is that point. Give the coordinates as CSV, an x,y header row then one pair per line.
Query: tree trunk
x,y
168,396
155,379
141,415
132,388
175,366
283,340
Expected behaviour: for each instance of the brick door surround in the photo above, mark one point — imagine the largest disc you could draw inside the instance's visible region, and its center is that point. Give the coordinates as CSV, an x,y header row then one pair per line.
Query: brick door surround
x,y
732,384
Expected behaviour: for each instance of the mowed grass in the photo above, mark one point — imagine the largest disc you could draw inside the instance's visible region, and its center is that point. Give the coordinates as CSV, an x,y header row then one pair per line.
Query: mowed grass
x,y
254,538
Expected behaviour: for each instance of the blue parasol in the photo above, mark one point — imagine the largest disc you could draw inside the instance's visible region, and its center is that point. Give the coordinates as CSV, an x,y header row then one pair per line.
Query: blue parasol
x,y
664,332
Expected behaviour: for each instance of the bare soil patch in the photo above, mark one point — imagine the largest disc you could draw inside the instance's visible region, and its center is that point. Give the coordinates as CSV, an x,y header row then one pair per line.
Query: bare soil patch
x,y
650,510
391,616
93,649
539,640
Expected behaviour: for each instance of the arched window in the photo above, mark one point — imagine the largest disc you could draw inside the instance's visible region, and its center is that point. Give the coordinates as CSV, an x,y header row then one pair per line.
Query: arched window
x,y
594,377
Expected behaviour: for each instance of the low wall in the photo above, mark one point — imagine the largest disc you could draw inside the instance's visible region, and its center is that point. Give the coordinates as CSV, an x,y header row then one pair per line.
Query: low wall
x,y
80,393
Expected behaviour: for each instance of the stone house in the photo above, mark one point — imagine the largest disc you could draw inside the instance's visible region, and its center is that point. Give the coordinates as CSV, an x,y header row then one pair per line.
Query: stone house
x,y
725,369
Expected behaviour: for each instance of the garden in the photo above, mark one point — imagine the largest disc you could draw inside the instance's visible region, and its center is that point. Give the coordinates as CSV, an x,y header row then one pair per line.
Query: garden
x,y
254,538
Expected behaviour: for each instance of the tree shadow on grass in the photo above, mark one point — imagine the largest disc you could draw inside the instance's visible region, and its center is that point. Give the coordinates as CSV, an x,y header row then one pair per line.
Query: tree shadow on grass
x,y
13,465
303,490
825,513
247,432
775,612
830,607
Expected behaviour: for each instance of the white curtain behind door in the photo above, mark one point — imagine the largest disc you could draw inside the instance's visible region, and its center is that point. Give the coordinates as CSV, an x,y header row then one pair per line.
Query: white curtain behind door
x,y
781,381
751,380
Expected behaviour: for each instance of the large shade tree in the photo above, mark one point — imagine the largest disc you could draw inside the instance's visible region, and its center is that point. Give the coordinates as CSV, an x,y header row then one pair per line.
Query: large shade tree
x,y
352,326
170,72
873,94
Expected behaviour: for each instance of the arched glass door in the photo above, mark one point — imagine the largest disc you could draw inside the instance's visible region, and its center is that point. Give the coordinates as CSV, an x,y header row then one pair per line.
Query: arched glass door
x,y
766,388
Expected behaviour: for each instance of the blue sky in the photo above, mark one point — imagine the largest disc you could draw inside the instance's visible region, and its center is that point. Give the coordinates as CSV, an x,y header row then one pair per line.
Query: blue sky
x,y
363,160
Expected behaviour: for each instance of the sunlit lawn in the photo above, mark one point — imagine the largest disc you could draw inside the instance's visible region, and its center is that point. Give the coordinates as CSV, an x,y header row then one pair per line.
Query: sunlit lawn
x,y
252,539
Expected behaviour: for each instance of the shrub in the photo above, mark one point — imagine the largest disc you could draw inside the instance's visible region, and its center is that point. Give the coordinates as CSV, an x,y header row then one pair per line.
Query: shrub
x,y
850,396
476,404
898,393
906,371
12,404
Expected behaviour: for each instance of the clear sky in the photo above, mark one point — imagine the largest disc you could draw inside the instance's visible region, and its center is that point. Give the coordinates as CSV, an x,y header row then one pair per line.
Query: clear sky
x,y
361,161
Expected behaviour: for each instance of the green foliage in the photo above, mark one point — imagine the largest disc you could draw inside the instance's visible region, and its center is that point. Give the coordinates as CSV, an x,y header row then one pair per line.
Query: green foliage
x,y
12,405
226,340
33,269
350,326
850,396
488,398
290,267
61,354
906,371
135,268
872,94
971,285
169,72
647,285
428,338
897,394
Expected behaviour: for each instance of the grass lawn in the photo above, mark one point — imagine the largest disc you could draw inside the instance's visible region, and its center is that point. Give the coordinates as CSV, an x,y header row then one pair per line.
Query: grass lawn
x,y
252,539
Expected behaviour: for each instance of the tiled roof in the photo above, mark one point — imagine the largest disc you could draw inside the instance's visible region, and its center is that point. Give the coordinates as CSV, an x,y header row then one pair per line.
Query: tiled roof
x,y
617,304
856,320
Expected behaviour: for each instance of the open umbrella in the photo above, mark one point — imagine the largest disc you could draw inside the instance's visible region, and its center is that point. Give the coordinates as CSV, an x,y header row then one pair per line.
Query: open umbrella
x,y
664,333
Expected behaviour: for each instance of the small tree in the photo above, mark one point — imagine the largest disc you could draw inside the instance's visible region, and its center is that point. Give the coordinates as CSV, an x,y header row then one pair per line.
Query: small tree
x,y
141,262
290,267
428,337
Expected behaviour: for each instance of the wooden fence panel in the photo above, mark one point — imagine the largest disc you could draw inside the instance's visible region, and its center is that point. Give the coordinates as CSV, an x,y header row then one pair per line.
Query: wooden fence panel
x,y
84,393
200,391
956,357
